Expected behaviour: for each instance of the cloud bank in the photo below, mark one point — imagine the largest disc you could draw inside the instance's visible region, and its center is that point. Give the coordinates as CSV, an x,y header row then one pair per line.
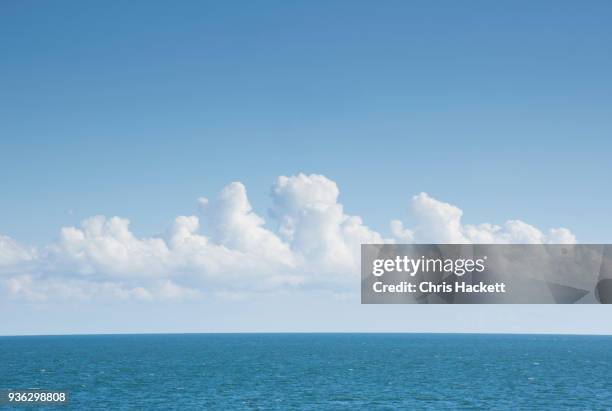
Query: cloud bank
x,y
229,249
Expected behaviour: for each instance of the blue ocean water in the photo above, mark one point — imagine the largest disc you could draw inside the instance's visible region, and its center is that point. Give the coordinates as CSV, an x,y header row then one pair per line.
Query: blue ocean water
x,y
314,371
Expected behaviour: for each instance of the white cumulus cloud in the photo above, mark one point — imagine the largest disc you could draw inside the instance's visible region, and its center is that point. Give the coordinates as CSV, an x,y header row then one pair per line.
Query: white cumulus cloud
x,y
13,253
440,222
229,249
313,222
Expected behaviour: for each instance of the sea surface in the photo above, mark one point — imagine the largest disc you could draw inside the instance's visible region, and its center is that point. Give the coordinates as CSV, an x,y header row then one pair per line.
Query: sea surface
x,y
314,371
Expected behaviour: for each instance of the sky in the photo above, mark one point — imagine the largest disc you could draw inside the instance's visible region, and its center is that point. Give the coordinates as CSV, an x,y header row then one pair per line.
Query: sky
x,y
308,127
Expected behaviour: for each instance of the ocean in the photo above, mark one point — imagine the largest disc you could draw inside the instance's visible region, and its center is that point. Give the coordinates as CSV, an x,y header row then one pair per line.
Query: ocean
x,y
314,371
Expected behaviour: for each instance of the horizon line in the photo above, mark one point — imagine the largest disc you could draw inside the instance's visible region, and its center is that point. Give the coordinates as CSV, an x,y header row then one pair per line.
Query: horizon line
x,y
308,332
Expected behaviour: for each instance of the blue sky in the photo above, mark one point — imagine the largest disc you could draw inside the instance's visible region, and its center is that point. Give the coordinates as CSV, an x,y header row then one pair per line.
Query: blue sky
x,y
136,109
